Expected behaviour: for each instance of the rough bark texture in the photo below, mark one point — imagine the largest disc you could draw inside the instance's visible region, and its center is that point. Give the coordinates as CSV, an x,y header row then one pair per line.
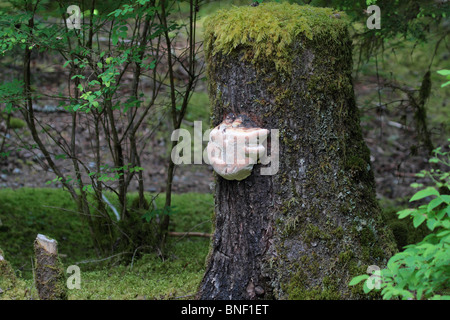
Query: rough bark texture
x,y
49,275
7,275
306,231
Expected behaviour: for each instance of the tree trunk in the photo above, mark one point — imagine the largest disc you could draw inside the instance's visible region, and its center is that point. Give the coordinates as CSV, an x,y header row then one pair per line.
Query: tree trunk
x,y
49,275
305,231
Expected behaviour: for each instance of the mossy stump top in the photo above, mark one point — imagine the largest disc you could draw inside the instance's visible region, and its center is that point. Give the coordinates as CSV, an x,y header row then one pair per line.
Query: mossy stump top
x,y
269,30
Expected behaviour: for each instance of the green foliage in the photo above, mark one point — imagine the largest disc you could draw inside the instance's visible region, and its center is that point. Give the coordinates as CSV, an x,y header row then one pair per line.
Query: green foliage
x,y
445,73
422,270
403,230
9,35
411,19
11,94
415,20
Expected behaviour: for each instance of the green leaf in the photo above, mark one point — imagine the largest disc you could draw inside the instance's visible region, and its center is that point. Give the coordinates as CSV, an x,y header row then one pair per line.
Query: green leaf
x,y
430,191
419,293
443,233
418,219
431,224
366,289
115,38
441,213
416,185
434,203
94,82
406,295
445,198
387,295
358,279
77,76
404,213
444,72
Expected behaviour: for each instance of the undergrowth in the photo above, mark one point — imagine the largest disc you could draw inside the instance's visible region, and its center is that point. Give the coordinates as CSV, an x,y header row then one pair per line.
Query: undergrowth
x,y
26,212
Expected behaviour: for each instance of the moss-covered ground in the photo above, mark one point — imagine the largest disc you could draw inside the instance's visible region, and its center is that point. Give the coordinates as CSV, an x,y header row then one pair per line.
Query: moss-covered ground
x,y
26,212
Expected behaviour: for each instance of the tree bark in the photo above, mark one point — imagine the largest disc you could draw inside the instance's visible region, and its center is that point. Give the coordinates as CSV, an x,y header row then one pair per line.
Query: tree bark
x,y
7,275
49,275
304,232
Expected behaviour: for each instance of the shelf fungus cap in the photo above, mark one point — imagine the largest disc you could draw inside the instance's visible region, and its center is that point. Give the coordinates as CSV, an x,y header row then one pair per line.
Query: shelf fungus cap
x,y
234,147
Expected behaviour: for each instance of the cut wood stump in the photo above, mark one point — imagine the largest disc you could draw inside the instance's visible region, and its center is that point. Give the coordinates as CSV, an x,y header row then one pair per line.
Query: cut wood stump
x,y
49,274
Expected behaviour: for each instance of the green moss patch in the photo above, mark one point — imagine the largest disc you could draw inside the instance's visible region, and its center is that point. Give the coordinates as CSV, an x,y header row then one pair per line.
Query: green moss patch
x,y
269,29
26,212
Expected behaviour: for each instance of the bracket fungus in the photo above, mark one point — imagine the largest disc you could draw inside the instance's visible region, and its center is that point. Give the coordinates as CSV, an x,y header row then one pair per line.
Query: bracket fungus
x,y
235,145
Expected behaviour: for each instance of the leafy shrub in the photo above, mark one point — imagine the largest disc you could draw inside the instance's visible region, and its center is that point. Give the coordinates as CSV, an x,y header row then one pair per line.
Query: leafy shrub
x,y
422,270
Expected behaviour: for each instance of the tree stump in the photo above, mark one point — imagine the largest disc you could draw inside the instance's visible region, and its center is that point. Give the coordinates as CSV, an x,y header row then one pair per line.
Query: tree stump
x,y
49,274
7,275
305,231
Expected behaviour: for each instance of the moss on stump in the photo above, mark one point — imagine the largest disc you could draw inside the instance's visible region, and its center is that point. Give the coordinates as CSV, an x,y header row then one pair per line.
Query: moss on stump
x,y
7,275
50,278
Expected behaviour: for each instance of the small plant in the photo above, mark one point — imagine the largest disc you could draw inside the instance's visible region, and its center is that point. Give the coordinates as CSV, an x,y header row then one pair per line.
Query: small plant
x,y
422,270
445,73
16,123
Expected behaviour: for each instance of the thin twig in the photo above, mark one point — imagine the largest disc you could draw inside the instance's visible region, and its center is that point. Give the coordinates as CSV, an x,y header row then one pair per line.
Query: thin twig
x,y
190,234
132,259
186,296
100,260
